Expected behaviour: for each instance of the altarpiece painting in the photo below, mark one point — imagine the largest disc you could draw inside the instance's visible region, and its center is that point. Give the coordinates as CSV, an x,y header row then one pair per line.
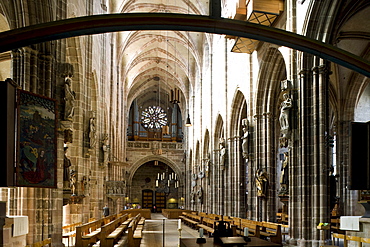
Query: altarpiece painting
x,y
36,155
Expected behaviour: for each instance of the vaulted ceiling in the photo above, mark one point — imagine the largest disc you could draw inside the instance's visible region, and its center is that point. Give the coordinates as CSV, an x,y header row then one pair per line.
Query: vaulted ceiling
x,y
154,62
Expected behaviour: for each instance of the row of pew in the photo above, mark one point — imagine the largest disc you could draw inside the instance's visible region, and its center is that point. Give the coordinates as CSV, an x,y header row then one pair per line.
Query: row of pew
x,y
266,230
115,230
346,239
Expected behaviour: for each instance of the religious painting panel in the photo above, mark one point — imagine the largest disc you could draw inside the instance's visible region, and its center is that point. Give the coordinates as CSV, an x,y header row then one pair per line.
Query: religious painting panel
x,y
36,152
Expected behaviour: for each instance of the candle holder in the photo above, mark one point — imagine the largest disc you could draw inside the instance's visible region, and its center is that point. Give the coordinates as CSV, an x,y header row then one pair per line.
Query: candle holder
x,y
201,240
179,229
246,238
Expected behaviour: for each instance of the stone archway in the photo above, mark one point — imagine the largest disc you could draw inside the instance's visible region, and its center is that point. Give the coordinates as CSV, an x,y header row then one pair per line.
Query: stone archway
x,y
175,167
145,188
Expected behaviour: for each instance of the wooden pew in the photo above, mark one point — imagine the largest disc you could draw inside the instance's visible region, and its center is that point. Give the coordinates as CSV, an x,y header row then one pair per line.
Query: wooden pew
x,y
356,239
252,225
207,224
69,231
89,233
134,232
45,242
113,231
365,240
191,219
339,236
173,213
271,230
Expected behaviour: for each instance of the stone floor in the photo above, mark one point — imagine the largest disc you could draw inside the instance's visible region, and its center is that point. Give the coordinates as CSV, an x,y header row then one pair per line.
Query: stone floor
x,y
153,232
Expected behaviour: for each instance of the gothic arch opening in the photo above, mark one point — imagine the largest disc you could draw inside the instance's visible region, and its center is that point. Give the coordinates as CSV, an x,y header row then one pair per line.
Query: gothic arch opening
x,y
239,155
155,186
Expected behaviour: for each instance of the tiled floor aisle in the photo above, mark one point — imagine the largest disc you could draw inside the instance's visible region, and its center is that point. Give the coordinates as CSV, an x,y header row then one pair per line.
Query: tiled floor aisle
x,y
153,232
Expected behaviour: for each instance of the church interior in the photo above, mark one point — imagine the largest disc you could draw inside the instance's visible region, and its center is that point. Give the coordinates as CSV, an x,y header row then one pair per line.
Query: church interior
x,y
249,109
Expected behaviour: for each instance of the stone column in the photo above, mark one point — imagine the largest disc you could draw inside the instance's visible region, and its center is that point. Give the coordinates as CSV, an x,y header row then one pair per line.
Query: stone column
x,y
34,71
16,58
25,73
324,206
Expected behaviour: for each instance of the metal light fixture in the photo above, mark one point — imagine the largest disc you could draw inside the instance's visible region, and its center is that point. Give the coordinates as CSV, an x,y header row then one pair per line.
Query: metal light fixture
x,y
188,122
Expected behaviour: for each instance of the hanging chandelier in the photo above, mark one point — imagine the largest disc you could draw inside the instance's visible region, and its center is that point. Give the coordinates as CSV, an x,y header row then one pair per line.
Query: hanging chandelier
x,y
166,182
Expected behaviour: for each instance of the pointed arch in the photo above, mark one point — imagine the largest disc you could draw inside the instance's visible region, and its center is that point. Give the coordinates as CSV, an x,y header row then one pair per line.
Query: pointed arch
x,y
219,130
132,169
238,112
206,143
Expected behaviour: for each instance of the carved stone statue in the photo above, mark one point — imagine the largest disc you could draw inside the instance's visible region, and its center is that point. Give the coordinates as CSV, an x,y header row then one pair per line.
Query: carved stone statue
x,y
245,125
222,153
105,147
92,131
73,180
192,197
207,162
286,105
200,195
261,182
66,165
69,99
284,178
85,186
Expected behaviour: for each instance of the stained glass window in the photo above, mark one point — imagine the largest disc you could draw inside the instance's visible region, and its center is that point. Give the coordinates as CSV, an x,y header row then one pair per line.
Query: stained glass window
x,y
153,117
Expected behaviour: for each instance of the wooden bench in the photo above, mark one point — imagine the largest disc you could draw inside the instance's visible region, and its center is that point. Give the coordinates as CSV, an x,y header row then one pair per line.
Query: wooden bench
x,y
173,213
272,231
89,233
112,232
69,231
207,224
191,219
252,225
135,232
45,242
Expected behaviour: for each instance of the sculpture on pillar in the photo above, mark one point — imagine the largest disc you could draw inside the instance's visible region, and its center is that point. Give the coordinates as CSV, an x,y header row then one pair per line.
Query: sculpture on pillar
x,y
66,165
286,105
200,195
207,162
92,131
284,178
85,186
69,98
222,153
285,109
192,197
106,148
72,180
245,138
261,182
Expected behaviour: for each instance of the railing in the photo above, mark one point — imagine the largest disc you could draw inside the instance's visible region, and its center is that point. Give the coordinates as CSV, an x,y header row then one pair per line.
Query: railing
x,y
154,145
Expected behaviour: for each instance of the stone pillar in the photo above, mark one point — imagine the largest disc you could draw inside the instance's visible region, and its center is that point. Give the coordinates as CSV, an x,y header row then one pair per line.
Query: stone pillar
x,y
324,206
238,182
214,183
34,71
314,166
25,74
16,60
299,175
270,161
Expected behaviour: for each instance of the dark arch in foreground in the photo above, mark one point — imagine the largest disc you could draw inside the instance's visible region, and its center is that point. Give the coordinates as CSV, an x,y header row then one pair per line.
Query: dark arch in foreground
x,y
96,24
